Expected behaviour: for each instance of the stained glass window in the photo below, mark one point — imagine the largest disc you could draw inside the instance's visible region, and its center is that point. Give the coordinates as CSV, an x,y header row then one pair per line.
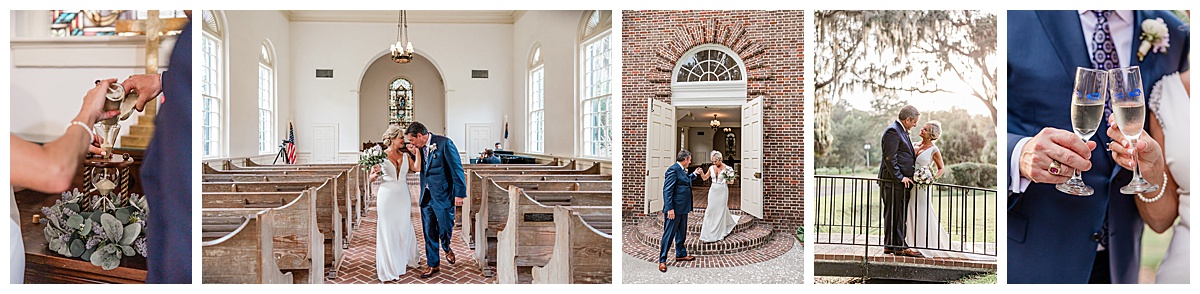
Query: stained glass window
x,y
400,102
106,22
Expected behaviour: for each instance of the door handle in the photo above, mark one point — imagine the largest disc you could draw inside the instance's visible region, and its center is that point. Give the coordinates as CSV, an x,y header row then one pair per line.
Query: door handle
x,y
758,175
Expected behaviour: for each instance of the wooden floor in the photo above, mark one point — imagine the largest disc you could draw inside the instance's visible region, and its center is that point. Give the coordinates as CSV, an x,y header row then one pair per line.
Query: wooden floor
x,y
359,264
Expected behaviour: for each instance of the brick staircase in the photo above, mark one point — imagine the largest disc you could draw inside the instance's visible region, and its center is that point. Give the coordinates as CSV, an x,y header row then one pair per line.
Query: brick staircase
x,y
749,234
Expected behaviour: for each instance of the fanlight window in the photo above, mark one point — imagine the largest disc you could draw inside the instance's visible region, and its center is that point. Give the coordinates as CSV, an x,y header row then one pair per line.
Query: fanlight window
x,y
708,66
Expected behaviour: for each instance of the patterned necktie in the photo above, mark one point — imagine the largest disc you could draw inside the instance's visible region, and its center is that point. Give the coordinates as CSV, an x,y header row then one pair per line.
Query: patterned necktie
x,y
1104,53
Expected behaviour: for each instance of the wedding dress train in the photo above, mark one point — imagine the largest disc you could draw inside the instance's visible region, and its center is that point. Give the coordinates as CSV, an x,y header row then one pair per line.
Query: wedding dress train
x,y
395,237
718,221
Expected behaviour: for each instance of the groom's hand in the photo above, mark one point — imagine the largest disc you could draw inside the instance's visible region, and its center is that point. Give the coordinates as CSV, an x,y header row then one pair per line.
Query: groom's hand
x,y
671,214
907,182
458,201
1052,145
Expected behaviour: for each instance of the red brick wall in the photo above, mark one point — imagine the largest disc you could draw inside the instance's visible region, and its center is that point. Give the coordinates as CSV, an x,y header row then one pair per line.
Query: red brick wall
x,y
771,43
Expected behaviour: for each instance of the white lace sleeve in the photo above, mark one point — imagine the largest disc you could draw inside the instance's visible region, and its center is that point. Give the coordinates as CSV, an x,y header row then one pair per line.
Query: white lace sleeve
x,y
1155,101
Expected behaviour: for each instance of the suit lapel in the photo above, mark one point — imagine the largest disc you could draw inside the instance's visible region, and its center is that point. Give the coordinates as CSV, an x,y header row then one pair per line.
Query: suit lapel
x,y
1138,17
1066,34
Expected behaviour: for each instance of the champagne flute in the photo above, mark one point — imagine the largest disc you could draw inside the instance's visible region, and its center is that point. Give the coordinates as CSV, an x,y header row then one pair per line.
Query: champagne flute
x,y
1129,107
1087,109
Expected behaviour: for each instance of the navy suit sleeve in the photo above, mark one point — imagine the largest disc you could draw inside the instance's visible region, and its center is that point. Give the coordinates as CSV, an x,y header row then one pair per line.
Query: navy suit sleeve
x,y
1013,139
669,189
458,186
891,142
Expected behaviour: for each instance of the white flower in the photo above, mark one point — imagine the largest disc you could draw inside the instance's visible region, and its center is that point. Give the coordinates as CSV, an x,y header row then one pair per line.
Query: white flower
x,y
1155,37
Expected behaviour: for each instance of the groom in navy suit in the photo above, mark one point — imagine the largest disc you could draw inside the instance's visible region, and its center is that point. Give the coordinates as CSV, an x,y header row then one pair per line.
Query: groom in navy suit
x,y
677,203
1054,237
896,180
442,188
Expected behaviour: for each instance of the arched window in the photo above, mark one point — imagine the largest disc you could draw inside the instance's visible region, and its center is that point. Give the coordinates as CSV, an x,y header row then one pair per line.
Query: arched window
x,y
400,102
266,99
212,83
595,37
708,75
536,132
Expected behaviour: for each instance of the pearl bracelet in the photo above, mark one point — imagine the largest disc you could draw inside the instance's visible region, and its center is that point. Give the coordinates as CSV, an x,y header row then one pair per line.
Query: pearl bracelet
x,y
83,125
1161,190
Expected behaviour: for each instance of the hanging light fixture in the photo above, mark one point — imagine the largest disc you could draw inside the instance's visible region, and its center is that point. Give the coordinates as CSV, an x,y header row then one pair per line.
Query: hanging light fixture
x,y
402,51
715,123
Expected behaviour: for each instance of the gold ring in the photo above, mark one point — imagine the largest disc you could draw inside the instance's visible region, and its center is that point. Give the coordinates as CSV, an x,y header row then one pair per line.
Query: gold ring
x,y
1055,167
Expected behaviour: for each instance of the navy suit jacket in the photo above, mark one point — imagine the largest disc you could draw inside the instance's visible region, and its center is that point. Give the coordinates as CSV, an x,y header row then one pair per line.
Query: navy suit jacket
x,y
1052,237
442,176
677,190
165,178
898,159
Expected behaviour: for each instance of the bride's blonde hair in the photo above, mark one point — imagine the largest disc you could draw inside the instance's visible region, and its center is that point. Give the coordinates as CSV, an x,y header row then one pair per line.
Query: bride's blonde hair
x,y
392,132
935,130
715,156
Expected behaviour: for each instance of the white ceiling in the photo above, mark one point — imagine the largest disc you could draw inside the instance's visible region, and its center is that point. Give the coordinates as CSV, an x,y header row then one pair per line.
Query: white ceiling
x,y
414,16
727,116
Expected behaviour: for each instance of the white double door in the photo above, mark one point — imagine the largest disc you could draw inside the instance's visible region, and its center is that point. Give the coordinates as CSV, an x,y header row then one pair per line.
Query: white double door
x,y
661,144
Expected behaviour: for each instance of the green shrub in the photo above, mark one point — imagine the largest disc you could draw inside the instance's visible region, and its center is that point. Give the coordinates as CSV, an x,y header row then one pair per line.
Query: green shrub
x,y
972,174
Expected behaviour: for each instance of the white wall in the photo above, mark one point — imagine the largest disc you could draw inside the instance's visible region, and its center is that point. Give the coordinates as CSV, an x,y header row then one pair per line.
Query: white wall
x,y
429,96
49,76
246,31
558,34
349,48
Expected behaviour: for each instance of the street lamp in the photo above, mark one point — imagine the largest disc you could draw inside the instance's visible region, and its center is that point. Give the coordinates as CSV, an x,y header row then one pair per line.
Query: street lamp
x,y
867,148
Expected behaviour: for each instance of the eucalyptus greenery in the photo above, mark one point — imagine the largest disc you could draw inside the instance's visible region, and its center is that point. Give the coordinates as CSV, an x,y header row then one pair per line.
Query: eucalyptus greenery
x,y
99,229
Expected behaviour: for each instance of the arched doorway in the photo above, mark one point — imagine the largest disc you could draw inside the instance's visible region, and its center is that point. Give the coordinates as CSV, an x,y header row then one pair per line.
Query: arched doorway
x,y
427,90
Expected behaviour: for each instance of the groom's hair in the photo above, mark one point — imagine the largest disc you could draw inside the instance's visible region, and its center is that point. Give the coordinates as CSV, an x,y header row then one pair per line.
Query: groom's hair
x,y
416,128
683,155
908,112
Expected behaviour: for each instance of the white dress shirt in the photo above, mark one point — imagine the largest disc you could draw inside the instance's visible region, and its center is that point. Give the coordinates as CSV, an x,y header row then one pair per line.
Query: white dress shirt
x,y
1120,28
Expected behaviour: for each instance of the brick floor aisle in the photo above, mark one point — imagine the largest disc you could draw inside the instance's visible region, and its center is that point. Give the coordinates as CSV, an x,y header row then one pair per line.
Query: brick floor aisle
x,y
359,264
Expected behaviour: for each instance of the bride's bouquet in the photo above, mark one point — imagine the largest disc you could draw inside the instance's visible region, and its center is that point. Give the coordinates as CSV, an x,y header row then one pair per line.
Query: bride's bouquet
x,y
729,175
372,157
923,175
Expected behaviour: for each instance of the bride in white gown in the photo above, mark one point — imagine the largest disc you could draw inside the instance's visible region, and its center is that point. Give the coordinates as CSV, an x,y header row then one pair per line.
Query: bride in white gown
x,y
395,237
923,229
718,222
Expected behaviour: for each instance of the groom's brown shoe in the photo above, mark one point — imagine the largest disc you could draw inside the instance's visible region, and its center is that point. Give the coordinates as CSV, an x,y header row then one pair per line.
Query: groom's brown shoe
x,y
662,267
429,272
909,253
686,258
450,256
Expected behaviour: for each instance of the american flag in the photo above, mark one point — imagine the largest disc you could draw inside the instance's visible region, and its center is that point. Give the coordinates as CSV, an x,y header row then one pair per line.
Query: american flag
x,y
291,144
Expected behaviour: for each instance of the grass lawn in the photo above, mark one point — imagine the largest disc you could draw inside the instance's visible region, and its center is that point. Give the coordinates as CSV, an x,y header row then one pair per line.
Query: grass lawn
x,y
1154,247
977,279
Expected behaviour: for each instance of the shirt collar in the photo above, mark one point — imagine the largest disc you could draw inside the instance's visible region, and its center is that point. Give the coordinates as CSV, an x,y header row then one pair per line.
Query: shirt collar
x,y
1122,15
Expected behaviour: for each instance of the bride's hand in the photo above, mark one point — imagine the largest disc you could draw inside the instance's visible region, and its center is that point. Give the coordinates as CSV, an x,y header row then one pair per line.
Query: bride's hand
x,y
411,148
1149,153
940,172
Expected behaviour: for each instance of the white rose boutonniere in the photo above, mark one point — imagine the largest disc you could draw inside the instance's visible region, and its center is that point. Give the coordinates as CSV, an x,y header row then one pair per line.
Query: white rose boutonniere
x,y
1154,37
432,149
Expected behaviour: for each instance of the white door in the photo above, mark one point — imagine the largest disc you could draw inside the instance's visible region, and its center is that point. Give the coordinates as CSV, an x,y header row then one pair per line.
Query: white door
x,y
325,143
479,137
660,151
752,144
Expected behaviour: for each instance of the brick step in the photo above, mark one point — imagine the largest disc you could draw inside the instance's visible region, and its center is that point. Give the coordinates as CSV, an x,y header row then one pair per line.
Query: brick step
x,y
696,220
754,236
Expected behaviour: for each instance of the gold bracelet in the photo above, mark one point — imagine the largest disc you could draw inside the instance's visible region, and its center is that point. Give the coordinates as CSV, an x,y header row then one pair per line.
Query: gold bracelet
x,y
1161,190
83,125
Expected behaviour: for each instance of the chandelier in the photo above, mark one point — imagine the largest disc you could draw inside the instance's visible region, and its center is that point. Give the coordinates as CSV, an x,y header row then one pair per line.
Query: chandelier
x,y
715,123
402,51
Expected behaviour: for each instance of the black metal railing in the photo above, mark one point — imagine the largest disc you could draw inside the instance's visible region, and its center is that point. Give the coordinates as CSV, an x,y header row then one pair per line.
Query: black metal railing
x,y
850,212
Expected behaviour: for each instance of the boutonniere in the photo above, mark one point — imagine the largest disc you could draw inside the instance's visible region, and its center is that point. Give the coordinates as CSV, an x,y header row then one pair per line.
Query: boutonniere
x,y
432,148
1154,37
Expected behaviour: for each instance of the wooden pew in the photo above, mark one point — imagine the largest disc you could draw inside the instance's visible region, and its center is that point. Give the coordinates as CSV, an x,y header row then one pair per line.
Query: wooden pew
x,y
495,214
237,248
553,162
298,242
582,251
346,212
526,239
356,180
570,165
328,218
475,189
